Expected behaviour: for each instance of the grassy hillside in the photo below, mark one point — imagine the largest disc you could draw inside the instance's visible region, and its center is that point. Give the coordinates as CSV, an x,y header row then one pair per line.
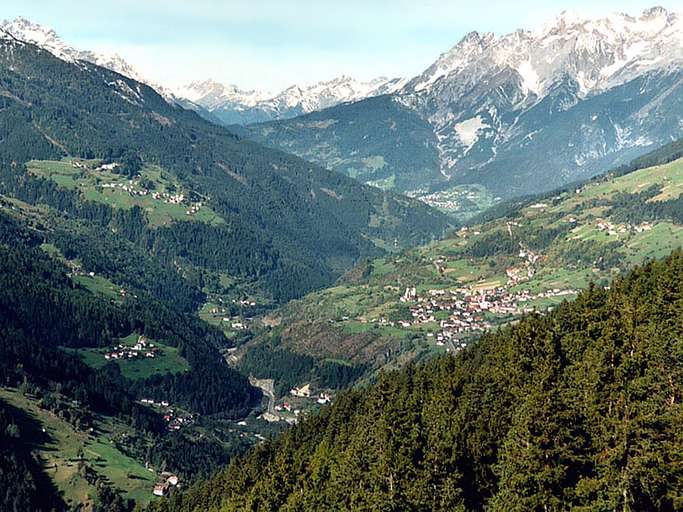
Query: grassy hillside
x,y
156,192
578,410
134,363
483,275
67,452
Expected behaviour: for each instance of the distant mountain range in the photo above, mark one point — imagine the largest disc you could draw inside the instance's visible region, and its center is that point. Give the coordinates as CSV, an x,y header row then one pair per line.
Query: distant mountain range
x,y
232,105
510,115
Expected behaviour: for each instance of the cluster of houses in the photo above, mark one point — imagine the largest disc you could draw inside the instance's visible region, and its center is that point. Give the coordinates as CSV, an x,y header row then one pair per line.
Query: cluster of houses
x,y
450,201
127,187
286,406
525,272
194,208
221,312
143,348
615,229
174,420
236,325
168,481
468,308
441,202
133,188
169,198
304,391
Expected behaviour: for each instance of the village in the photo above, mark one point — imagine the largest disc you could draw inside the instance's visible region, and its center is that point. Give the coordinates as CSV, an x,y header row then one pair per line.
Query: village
x,y
291,408
134,188
142,348
469,310
616,229
222,314
300,400
174,418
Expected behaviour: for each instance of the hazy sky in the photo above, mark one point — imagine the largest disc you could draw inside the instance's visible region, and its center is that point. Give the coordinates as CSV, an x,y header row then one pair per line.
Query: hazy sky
x,y
270,44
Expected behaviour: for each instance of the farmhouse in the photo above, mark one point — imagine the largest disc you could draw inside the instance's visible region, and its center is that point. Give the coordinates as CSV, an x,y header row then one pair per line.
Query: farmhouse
x,y
303,391
160,489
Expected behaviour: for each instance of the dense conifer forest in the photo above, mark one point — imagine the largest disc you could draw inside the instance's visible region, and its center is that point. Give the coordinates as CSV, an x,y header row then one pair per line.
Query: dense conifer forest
x,y
578,410
35,287
45,315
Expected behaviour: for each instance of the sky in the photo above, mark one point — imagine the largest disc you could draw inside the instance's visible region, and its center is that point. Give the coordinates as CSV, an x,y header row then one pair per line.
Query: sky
x,y
272,44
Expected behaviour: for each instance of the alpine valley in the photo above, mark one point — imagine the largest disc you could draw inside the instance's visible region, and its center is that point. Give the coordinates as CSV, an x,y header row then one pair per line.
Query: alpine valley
x,y
459,291
126,221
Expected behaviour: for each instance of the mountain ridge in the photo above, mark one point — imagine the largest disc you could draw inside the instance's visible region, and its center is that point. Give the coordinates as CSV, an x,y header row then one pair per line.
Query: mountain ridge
x,y
232,105
45,37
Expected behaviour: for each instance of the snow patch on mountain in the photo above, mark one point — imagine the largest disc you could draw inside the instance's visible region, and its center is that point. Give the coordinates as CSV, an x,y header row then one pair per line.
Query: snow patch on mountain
x,y
530,79
468,131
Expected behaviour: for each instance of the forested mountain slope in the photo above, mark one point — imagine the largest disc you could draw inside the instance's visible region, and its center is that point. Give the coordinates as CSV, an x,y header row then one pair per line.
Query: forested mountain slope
x,y
276,219
119,215
56,325
577,410
376,141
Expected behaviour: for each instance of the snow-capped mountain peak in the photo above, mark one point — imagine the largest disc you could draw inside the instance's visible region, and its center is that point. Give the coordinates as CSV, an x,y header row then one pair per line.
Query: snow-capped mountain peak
x,y
328,93
212,94
597,53
47,38
488,93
